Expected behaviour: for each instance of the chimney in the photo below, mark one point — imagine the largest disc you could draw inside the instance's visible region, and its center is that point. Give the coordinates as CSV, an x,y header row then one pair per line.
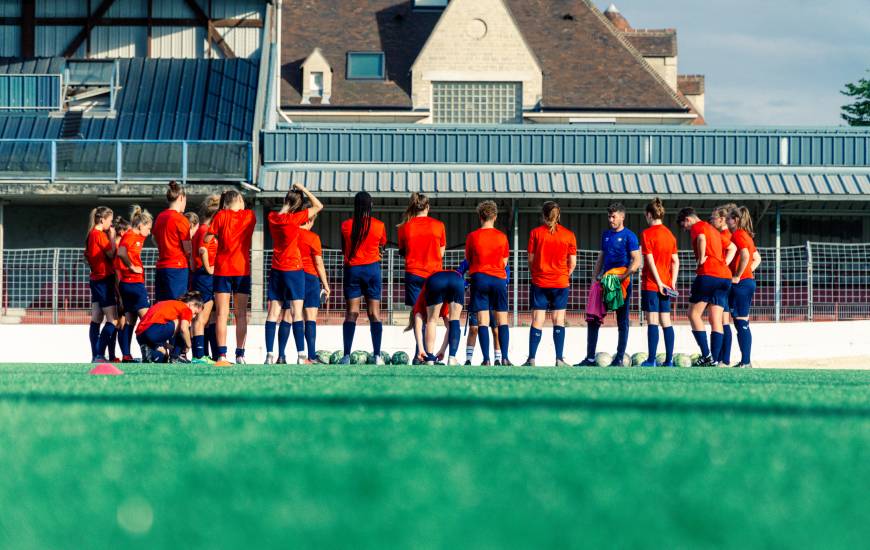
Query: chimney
x,y
616,18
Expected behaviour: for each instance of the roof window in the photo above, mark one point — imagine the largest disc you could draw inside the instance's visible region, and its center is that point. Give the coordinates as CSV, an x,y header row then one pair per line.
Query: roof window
x,y
365,66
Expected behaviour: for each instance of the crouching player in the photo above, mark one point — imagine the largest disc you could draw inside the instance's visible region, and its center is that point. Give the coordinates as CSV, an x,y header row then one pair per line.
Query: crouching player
x,y
710,287
745,262
442,296
167,325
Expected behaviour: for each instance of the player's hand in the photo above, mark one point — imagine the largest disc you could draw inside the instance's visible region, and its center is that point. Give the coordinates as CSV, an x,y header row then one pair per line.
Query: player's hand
x,y
421,356
136,269
298,187
735,280
662,289
440,356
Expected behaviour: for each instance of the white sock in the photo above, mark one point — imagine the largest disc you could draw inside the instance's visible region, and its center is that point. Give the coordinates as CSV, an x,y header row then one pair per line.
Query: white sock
x,y
498,356
469,352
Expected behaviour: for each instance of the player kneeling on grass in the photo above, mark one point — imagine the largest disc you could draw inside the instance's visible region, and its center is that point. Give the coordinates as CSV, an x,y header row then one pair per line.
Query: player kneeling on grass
x,y
442,296
134,295
710,287
745,262
660,270
166,326
552,260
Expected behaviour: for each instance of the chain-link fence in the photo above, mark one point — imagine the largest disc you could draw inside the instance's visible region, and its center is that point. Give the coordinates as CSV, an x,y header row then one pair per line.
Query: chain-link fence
x,y
815,282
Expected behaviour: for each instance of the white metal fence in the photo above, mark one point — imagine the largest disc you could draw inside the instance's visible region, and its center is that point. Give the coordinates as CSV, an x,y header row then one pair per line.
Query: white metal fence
x,y
813,282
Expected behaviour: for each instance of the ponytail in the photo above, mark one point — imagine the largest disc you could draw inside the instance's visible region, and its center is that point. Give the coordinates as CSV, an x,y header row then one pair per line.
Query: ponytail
x,y
192,218
550,215
175,192
97,215
656,209
228,197
294,200
744,219
210,206
139,217
362,221
418,203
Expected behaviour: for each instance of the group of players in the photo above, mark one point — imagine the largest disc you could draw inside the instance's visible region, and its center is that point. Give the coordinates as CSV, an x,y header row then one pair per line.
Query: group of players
x,y
203,271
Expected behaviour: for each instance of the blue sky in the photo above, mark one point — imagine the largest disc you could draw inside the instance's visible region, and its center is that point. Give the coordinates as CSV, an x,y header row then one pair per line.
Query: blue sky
x,y
767,62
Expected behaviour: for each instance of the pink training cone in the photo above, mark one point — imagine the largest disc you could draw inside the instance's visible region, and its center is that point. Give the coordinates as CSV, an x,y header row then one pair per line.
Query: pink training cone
x,y
106,369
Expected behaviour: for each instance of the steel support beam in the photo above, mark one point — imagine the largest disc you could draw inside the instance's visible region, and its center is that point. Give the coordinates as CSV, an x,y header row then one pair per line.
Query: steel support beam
x,y
28,29
214,37
86,29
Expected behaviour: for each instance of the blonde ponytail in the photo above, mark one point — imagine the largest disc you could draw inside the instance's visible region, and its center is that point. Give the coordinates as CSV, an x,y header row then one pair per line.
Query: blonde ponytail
x,y
139,216
551,213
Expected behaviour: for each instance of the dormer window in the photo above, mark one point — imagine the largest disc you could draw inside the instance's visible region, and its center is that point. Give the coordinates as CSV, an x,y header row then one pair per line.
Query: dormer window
x,y
365,66
316,78
430,4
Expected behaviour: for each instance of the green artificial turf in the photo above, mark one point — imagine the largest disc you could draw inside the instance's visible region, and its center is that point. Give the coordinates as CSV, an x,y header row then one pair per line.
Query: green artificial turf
x,y
432,457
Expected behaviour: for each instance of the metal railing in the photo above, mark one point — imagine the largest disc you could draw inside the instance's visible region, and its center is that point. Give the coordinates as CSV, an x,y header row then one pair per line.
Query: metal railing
x,y
124,160
817,282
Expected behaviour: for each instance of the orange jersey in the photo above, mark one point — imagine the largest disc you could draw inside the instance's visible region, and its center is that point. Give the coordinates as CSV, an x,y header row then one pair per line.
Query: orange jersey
x,y
420,242
211,247
164,312
725,234
743,241
714,265
233,231
486,250
661,243
96,248
132,242
369,250
171,229
285,235
551,252
309,249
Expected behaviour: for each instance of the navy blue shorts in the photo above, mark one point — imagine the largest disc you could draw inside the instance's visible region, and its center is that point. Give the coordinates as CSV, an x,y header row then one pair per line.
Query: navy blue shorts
x,y
712,290
103,291
472,319
312,291
488,292
554,299
654,302
235,284
203,282
134,296
286,287
413,285
445,287
362,280
157,335
170,283
740,297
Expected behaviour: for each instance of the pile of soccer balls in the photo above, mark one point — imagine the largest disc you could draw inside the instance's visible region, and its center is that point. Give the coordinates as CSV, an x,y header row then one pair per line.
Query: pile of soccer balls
x,y
363,358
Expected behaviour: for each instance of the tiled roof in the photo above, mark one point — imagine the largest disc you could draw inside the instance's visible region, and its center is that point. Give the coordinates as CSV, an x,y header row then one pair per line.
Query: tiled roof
x,y
690,84
653,43
587,64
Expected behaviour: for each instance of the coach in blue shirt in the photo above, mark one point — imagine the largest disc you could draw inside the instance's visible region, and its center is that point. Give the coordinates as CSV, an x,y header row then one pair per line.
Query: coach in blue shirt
x,y
619,248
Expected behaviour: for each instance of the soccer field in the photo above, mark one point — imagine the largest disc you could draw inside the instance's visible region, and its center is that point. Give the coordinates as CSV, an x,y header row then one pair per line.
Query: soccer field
x,y
431,457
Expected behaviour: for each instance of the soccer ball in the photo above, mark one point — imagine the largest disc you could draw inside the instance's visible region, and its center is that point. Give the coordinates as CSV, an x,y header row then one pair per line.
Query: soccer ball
x,y
336,357
603,359
359,357
324,356
660,358
400,358
639,358
682,360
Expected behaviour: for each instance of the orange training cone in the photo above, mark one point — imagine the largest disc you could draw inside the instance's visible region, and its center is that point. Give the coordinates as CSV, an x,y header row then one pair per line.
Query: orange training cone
x,y
106,369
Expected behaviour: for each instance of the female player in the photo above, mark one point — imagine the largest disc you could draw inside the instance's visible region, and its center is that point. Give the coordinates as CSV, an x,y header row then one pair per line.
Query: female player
x,y
315,275
487,252
203,282
362,239
121,226
746,261
172,236
99,251
165,324
711,285
719,220
134,295
442,295
232,226
286,278
552,260
661,267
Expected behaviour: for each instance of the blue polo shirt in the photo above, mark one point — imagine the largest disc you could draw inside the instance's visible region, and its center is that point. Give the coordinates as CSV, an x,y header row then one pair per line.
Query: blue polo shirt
x,y
617,247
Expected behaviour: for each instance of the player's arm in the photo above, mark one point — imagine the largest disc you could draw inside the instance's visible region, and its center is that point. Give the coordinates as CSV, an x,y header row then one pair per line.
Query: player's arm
x,y
203,254
701,248
112,247
636,262
316,205
756,261
321,274
184,330
730,252
125,259
441,352
675,269
572,264
741,265
596,271
650,264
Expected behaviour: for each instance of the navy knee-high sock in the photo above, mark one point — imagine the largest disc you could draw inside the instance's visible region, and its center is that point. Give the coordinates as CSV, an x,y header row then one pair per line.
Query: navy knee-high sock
x,y
725,354
504,340
622,342
106,335
198,346
701,338
211,337
535,335
652,340
125,338
377,330
94,335
454,333
284,329
669,343
483,338
592,340
559,340
347,330
271,326
716,339
744,340
299,336
311,339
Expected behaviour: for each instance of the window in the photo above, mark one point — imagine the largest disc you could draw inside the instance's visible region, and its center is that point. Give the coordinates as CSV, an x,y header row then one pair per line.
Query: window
x,y
430,4
315,86
477,102
365,66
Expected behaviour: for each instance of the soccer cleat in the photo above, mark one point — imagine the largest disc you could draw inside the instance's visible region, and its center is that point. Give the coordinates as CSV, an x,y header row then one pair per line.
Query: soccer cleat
x,y
529,362
506,363
649,363
667,364
722,365
345,360
704,362
180,360
128,359
743,366
270,359
468,363
497,363
587,363
379,360
452,361
485,364
562,363
204,360
240,360
281,360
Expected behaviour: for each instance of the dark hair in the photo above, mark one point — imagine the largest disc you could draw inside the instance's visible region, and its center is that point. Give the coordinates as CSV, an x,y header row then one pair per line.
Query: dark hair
x,y
228,197
192,218
362,221
686,213
121,224
175,191
744,219
616,207
487,210
210,206
191,297
416,204
294,200
656,209
550,215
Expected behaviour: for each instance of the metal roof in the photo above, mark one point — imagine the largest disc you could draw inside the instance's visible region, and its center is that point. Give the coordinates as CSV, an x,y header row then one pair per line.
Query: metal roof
x,y
190,99
571,181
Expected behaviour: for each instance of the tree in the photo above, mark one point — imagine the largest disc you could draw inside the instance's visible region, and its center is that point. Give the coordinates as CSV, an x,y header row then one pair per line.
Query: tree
x,y
858,113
